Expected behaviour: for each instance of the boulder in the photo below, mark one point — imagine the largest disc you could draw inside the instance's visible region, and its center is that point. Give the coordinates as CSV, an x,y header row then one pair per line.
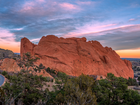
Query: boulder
x,y
75,56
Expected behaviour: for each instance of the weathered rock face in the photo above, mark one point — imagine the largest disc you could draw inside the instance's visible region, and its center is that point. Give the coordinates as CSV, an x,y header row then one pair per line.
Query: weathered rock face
x,y
9,65
26,46
75,56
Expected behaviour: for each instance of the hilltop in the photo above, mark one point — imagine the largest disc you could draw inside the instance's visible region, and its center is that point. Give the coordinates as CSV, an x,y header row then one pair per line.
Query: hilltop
x,y
7,54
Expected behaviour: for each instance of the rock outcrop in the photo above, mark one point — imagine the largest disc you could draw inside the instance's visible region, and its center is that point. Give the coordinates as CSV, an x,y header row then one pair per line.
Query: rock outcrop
x,y
7,54
26,46
44,74
9,65
75,56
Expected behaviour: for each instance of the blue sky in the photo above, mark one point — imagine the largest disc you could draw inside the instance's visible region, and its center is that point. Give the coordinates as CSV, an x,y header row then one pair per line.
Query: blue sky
x,y
114,23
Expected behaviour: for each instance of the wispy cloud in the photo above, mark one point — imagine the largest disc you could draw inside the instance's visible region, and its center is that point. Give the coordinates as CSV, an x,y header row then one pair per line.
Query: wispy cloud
x,y
48,8
36,40
131,19
69,6
89,29
126,37
85,2
42,1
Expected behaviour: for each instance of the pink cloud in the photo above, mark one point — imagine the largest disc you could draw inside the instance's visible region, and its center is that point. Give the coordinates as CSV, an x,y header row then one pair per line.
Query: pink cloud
x,y
85,3
27,7
131,19
101,29
125,28
89,28
69,6
5,33
108,25
130,28
40,0
7,40
48,8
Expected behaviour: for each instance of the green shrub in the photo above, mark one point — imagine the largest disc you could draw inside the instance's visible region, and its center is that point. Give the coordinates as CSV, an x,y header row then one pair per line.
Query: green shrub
x,y
51,71
4,73
58,81
131,82
14,58
62,76
51,80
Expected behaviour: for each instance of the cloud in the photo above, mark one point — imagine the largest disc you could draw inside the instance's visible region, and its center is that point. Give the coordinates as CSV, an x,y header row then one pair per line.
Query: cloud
x,y
125,37
134,19
48,8
36,40
131,19
92,19
7,40
29,6
69,6
5,33
40,1
86,3
58,27
89,28
25,13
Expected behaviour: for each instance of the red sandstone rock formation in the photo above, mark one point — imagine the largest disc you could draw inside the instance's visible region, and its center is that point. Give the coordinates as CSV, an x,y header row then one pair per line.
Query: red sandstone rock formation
x,y
75,56
27,46
9,65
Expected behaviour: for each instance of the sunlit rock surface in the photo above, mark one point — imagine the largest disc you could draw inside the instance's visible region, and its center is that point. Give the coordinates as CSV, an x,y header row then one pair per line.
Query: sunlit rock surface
x,y
75,56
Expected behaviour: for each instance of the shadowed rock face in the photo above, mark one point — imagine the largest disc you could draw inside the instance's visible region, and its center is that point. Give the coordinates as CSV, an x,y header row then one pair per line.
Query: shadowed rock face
x,y
7,54
75,56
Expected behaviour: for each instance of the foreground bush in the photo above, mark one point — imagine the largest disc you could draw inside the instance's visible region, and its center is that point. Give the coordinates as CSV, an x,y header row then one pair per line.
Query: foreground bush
x,y
114,91
26,87
76,91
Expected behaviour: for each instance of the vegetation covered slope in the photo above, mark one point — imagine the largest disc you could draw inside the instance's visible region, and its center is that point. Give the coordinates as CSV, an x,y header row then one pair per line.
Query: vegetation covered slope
x,y
28,89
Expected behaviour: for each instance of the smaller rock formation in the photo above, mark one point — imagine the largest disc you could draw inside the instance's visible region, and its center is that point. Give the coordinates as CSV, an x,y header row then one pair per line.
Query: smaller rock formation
x,y
8,54
9,65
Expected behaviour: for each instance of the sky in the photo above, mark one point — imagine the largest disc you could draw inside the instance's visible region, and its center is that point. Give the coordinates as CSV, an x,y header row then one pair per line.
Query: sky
x,y
114,23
